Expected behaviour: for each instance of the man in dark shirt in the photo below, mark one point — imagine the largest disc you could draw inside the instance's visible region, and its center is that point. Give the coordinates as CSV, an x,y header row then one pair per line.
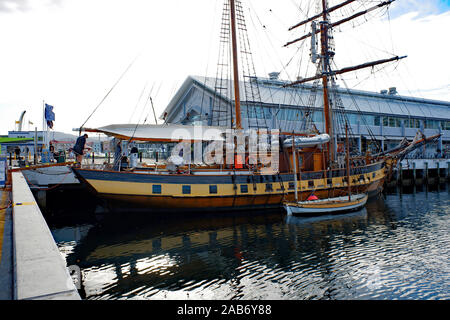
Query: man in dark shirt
x,y
17,152
78,148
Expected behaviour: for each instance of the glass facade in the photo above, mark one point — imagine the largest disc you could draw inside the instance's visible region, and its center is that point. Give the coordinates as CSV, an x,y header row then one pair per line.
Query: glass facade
x,y
412,123
369,120
295,114
352,118
256,112
432,124
445,125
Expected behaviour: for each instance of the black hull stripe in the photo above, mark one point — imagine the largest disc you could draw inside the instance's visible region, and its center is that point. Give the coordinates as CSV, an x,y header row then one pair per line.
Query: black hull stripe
x,y
89,174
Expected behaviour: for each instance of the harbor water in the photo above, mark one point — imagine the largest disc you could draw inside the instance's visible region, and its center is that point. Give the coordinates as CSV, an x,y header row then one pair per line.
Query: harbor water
x,y
398,247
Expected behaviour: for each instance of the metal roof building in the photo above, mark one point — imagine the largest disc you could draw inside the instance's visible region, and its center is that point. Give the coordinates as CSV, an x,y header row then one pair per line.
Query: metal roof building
x,y
386,115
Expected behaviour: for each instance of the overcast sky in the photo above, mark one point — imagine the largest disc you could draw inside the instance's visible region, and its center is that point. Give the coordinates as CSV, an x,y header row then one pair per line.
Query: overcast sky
x,y
71,52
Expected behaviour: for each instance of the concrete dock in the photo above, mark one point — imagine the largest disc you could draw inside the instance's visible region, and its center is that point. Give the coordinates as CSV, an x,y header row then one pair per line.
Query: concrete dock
x,y
6,257
35,269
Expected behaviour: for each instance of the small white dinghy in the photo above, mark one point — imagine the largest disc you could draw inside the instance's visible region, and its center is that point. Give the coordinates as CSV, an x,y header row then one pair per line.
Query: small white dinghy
x,y
328,205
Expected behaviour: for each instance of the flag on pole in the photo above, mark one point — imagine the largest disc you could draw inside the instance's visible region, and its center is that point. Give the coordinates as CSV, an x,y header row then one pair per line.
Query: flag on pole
x,y
49,115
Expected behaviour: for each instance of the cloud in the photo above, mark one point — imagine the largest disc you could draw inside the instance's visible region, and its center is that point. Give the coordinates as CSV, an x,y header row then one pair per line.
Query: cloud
x,y
420,7
25,5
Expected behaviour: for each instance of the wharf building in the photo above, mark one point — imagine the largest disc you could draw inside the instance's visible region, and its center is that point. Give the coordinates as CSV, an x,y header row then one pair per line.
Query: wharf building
x,y
386,116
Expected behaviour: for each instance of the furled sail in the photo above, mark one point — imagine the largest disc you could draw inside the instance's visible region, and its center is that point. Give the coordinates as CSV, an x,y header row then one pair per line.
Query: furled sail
x,y
161,133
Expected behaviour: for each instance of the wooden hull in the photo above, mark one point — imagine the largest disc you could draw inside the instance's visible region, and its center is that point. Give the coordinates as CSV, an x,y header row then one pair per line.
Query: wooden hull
x,y
164,192
326,206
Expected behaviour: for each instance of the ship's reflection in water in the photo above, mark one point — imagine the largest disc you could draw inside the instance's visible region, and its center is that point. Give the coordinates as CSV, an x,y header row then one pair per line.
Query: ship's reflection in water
x,y
398,247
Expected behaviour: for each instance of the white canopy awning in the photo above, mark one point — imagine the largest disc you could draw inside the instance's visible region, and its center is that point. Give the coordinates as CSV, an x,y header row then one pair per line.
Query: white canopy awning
x,y
161,133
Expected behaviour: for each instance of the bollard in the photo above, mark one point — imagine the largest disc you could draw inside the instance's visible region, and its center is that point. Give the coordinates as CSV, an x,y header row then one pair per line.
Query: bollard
x,y
448,170
438,171
41,197
426,171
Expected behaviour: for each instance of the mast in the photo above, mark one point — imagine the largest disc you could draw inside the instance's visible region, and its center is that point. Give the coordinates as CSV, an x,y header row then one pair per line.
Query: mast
x,y
237,98
348,161
325,68
326,73
294,159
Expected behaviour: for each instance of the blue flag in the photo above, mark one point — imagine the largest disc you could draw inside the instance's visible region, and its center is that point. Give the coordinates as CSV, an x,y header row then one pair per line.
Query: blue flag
x,y
49,114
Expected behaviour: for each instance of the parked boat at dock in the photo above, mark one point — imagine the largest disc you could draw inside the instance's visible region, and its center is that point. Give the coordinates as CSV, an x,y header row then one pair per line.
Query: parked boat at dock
x,y
326,206
242,184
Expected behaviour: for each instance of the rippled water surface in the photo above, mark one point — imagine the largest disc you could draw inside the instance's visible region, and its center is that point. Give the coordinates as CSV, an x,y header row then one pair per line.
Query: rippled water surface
x,y
398,247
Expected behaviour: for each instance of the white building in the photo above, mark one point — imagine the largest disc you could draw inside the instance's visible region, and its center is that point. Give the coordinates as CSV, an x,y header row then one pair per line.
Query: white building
x,y
386,116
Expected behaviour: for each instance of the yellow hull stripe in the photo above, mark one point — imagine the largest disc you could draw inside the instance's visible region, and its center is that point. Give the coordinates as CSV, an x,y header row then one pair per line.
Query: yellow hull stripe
x,y
202,190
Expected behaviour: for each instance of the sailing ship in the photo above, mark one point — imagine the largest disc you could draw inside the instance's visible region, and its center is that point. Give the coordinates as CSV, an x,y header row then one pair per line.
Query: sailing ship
x,y
239,184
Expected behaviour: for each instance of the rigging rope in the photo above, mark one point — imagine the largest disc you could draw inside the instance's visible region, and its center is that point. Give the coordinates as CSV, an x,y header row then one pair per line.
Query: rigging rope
x,y
110,90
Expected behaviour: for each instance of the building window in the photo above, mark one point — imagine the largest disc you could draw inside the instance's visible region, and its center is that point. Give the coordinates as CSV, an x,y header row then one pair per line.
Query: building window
x,y
291,185
244,188
311,183
289,114
391,122
280,114
269,187
431,124
156,188
369,120
317,116
244,112
352,118
267,113
445,125
376,120
212,189
186,189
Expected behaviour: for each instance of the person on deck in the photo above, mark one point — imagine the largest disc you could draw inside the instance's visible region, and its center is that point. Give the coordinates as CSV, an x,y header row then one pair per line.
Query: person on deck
x,y
134,153
52,152
78,148
118,155
17,152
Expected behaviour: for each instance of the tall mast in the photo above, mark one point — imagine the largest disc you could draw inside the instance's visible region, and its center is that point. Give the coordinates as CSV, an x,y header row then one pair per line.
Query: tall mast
x,y
294,159
347,147
237,98
327,55
325,71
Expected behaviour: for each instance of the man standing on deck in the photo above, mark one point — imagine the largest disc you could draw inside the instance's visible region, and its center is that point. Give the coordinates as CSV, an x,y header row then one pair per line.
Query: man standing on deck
x,y
17,152
118,155
78,148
